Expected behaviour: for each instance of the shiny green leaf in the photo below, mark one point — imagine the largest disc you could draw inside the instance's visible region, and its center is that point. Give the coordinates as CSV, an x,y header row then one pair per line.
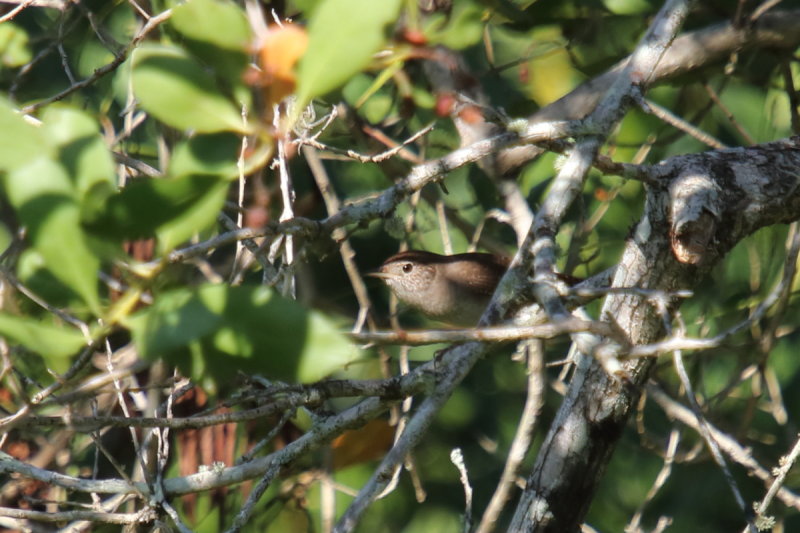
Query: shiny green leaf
x,y
216,32
175,320
43,196
82,150
45,338
220,23
343,36
22,142
217,330
196,217
171,208
464,27
33,272
174,88
15,50
326,350
628,7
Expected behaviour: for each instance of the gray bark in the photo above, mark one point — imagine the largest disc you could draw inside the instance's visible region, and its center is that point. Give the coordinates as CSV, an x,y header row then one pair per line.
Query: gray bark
x,y
702,206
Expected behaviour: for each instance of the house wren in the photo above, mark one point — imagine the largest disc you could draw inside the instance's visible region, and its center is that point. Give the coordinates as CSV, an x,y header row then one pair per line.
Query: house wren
x,y
450,288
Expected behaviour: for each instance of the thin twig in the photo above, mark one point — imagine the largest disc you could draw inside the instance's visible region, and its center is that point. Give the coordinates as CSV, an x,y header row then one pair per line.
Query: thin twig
x,y
12,280
273,404
260,445
523,437
658,483
712,444
670,118
791,92
237,259
728,114
147,514
728,444
11,421
786,463
14,12
489,334
288,287
122,403
763,8
120,57
378,158
457,458
243,516
347,252
456,365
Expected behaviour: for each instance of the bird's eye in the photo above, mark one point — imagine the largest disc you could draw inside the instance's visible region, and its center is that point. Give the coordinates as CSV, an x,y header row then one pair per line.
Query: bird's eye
x,y
408,267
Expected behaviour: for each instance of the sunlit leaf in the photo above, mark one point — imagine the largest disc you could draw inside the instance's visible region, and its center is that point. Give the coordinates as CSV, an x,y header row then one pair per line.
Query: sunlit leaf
x,y
198,216
218,330
81,149
326,349
176,319
44,198
45,338
217,22
22,142
628,7
343,36
175,89
171,208
33,272
464,27
215,31
14,48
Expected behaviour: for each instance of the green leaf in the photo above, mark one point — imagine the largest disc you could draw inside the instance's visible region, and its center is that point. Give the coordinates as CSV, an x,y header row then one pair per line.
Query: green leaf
x,y
222,24
176,319
217,32
196,217
372,101
82,150
172,209
43,196
22,142
326,350
15,50
218,330
40,178
628,7
306,6
54,343
212,154
32,271
175,89
464,27
343,36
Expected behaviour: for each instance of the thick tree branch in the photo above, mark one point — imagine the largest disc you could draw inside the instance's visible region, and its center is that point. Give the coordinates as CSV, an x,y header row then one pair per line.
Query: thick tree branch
x,y
750,194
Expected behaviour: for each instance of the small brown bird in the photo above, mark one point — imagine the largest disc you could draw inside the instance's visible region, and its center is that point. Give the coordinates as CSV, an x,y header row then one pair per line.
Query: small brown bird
x,y
450,288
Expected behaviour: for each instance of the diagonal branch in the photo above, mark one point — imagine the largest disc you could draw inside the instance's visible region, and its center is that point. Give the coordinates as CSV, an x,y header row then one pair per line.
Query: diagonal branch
x,y
692,51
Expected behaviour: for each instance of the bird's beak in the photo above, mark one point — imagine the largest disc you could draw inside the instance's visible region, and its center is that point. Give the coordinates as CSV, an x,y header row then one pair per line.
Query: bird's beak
x,y
378,274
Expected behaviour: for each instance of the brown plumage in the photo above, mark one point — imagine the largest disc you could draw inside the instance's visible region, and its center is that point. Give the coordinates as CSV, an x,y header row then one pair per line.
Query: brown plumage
x,y
450,288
